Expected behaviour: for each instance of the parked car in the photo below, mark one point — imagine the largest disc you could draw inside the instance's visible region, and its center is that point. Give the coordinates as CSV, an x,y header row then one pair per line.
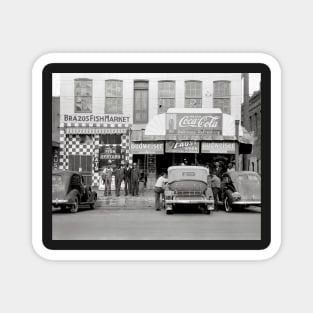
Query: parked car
x,y
69,191
188,186
242,188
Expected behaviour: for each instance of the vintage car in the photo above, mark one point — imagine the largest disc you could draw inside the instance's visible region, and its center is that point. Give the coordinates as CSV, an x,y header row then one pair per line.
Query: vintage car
x,y
242,188
188,186
69,191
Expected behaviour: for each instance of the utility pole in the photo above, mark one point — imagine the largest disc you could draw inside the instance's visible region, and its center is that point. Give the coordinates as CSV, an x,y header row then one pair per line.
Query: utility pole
x,y
245,108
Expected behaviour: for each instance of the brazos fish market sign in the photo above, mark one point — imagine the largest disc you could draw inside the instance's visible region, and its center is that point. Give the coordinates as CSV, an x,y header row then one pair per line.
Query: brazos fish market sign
x,y
185,146
218,147
147,148
198,123
91,118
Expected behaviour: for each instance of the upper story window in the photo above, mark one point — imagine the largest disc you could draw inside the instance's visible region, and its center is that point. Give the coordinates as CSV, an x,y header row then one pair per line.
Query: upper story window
x,y
113,97
221,95
166,96
193,94
141,98
83,95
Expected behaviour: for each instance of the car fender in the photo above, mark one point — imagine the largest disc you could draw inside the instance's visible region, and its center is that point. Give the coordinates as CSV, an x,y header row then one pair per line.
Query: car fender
x,y
72,195
93,197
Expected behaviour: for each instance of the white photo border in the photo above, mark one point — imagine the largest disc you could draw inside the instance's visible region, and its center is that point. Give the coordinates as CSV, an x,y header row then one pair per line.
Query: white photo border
x,y
155,255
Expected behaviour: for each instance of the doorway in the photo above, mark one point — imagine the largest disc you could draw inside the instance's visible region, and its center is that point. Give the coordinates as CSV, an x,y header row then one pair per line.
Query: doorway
x,y
82,164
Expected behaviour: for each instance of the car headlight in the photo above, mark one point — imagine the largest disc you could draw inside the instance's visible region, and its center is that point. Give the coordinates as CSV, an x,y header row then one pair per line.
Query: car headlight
x,y
236,195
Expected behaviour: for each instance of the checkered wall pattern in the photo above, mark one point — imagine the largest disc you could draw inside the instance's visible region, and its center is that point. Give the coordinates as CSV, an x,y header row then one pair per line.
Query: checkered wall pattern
x,y
70,145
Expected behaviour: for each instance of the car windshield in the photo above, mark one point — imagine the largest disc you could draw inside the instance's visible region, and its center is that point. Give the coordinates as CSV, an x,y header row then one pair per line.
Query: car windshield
x,y
58,182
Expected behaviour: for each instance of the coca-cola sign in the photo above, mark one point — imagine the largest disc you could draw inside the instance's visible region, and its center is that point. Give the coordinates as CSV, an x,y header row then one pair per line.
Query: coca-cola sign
x,y
198,123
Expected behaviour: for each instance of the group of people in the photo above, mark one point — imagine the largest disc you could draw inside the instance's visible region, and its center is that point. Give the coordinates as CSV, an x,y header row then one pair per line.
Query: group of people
x,y
214,179
130,175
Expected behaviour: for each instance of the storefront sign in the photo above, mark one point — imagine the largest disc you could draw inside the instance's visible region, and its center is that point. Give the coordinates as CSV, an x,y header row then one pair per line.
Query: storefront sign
x,y
89,130
96,160
182,147
197,123
55,158
83,118
110,154
218,147
147,148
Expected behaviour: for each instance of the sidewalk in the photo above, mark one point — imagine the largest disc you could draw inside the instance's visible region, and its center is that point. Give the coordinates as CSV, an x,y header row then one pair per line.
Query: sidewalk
x,y
143,201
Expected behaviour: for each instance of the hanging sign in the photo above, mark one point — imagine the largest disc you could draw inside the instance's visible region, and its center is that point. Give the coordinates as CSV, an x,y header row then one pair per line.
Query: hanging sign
x,y
147,148
109,154
194,123
173,146
218,147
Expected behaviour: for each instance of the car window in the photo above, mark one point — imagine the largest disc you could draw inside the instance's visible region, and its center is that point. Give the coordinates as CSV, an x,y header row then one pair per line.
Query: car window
x,y
75,180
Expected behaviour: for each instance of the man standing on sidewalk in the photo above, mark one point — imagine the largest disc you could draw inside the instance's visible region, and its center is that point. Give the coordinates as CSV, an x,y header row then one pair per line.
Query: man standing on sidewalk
x,y
127,175
119,177
107,173
159,189
215,184
135,180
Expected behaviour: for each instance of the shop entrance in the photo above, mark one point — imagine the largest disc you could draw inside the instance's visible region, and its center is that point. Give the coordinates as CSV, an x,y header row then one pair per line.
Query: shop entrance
x,y
82,163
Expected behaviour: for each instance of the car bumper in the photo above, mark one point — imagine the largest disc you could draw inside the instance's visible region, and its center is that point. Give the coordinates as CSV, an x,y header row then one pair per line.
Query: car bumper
x,y
242,202
191,201
58,202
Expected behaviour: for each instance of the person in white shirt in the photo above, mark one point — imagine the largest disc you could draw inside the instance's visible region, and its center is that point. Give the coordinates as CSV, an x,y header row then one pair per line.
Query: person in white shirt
x,y
230,168
159,188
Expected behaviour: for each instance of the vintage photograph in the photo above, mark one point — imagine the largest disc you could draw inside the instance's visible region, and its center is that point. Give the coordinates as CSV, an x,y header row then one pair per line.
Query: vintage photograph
x,y
156,156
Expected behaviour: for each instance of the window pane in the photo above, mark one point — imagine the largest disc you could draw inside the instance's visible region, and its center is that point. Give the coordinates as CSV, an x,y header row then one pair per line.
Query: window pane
x,y
223,104
193,103
193,89
221,89
83,96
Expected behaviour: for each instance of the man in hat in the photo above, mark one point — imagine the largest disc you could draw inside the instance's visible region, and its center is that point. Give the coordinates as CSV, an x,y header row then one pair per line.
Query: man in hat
x,y
135,175
107,177
119,177
127,177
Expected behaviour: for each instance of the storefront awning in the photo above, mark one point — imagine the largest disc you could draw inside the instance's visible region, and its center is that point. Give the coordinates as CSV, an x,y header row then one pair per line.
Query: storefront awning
x,y
156,128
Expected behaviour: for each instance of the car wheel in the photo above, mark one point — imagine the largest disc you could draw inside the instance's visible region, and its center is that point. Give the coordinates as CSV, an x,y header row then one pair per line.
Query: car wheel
x,y
74,207
228,202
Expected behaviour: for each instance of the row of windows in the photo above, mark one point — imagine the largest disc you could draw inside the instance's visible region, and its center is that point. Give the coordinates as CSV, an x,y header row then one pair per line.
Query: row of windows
x,y
166,96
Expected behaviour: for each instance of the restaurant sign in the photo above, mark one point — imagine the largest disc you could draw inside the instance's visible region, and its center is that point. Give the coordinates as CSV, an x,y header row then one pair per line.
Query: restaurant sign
x,y
218,147
110,154
194,123
186,146
147,148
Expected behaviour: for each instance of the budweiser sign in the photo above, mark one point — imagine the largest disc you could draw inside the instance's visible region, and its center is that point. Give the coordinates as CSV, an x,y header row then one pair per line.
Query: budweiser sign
x,y
201,123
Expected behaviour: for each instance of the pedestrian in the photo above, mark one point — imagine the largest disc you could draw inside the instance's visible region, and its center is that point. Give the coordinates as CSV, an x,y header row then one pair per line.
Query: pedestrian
x,y
159,189
107,180
230,167
142,184
127,175
119,176
215,183
135,180
217,170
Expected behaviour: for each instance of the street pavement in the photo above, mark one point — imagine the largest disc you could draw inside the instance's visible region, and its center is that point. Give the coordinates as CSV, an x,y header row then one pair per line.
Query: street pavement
x,y
134,218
